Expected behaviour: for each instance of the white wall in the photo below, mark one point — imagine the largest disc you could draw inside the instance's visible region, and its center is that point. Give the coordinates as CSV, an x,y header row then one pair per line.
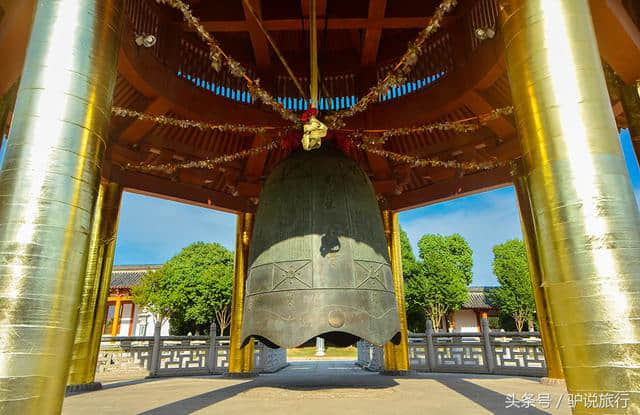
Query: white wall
x,y
145,323
466,321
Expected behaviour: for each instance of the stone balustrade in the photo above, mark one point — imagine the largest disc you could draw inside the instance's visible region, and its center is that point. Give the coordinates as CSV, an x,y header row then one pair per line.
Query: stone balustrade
x,y
507,353
179,356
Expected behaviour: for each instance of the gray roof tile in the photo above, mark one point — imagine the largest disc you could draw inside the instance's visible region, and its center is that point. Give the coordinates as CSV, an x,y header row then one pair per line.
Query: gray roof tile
x,y
129,275
477,298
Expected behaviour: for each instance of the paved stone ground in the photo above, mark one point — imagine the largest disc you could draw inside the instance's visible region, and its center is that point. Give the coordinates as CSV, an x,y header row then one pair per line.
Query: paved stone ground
x,y
328,388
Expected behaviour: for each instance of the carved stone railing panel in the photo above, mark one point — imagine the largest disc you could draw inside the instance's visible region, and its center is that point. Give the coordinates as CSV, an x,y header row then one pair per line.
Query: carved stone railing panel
x,y
418,354
129,354
514,352
184,355
221,354
179,355
459,353
509,354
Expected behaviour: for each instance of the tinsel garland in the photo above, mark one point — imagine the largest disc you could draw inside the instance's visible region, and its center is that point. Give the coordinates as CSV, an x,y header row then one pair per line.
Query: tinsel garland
x,y
175,122
398,75
430,162
467,125
218,57
210,164
344,145
365,140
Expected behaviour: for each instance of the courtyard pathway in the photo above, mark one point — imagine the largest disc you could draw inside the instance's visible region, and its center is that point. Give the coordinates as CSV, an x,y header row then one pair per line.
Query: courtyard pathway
x,y
328,388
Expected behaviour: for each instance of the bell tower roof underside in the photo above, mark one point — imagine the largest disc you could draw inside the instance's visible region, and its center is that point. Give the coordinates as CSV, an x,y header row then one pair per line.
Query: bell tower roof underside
x,y
459,75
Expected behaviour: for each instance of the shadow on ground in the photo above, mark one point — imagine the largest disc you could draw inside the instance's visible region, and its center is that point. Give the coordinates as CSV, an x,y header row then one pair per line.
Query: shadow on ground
x,y
299,377
490,400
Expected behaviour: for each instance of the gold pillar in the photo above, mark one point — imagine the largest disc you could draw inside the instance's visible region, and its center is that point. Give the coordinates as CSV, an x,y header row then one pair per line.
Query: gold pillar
x,y
240,358
584,211
110,214
545,323
116,317
49,183
96,285
396,357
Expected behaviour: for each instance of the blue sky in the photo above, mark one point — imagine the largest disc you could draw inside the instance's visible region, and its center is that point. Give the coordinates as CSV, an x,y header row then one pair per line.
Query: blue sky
x,y
152,230
486,219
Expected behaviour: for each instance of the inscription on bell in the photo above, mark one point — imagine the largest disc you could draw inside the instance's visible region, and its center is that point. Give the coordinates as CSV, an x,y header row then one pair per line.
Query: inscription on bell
x,y
318,263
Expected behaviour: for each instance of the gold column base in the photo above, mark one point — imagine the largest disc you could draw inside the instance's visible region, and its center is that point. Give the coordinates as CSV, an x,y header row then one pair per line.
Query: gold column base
x,y
240,358
72,389
396,356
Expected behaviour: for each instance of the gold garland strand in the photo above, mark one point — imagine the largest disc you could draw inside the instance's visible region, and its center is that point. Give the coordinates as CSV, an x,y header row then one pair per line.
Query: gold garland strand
x,y
209,164
368,136
361,139
218,56
175,122
398,75
467,125
430,162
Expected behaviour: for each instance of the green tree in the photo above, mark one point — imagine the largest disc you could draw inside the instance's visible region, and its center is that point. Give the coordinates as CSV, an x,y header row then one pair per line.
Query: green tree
x,y
514,297
151,293
409,264
440,283
212,297
195,286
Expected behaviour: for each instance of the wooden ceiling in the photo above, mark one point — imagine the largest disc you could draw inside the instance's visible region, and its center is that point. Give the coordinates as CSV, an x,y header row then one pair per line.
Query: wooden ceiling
x,y
350,32
361,37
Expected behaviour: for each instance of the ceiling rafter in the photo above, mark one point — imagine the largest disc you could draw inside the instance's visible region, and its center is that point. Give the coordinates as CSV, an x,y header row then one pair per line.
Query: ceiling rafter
x,y
478,103
259,41
332,24
255,164
165,188
452,188
138,128
373,35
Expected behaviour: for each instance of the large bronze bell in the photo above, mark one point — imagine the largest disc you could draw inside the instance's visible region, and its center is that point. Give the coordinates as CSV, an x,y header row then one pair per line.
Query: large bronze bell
x,y
318,262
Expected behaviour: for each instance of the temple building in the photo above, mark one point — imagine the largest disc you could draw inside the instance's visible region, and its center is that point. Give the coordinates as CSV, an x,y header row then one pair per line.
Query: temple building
x,y
124,317
468,318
